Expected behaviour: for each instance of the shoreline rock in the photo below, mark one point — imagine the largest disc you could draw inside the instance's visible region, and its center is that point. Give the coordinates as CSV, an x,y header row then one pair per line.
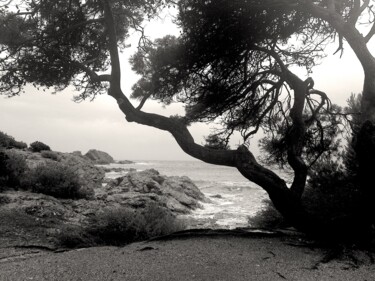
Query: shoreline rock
x,y
99,157
178,194
35,219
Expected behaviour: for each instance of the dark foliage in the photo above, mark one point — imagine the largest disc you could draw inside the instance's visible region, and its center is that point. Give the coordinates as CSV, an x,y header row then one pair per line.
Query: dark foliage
x,y
267,218
12,169
50,155
7,141
121,226
38,146
321,139
332,197
332,194
215,142
3,168
221,67
55,41
54,179
4,200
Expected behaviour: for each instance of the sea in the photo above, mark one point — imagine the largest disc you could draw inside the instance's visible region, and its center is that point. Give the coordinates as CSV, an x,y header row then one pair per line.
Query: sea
x,y
234,200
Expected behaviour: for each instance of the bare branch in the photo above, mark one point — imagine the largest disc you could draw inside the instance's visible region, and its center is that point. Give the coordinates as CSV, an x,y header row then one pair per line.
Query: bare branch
x,y
92,74
276,87
324,100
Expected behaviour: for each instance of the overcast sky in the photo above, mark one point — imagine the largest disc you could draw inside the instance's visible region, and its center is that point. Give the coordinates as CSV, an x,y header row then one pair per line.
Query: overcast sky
x,y
67,126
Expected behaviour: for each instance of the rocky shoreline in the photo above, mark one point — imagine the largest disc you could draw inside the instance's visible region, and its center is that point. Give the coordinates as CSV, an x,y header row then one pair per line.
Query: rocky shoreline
x,y
32,219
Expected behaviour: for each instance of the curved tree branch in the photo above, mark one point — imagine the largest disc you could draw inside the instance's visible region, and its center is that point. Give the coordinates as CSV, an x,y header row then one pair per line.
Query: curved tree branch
x,y
286,200
93,75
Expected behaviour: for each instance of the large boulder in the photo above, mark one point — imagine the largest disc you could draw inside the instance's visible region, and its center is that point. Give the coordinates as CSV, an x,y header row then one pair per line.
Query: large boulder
x,y
99,157
136,189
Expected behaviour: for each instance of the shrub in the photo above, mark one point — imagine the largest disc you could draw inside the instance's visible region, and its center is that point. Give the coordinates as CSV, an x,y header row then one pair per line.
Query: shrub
x,y
332,193
4,200
120,226
74,237
332,197
12,168
7,141
38,146
50,155
56,180
155,220
268,217
3,167
19,144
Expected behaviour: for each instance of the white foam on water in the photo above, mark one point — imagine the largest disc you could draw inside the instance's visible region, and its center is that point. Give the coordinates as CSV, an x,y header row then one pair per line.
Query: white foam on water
x,y
144,163
229,210
233,198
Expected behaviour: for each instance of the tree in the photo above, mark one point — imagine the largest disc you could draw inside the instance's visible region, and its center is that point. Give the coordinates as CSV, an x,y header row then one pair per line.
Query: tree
x,y
232,63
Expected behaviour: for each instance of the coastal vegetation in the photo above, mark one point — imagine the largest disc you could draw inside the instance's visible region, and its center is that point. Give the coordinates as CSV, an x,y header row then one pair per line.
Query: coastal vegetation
x,y
53,200
38,146
121,226
234,63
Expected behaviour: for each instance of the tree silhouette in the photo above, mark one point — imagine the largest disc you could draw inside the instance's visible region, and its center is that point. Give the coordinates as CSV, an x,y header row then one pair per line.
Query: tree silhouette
x,y
232,63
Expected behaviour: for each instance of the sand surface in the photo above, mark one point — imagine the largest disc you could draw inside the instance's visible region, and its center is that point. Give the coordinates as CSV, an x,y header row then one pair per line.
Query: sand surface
x,y
217,258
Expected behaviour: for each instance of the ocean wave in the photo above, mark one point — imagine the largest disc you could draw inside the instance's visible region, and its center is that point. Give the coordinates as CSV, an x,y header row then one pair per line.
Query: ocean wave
x,y
144,163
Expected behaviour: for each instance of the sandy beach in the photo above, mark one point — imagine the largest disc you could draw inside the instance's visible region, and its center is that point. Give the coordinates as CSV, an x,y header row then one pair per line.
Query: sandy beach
x,y
212,257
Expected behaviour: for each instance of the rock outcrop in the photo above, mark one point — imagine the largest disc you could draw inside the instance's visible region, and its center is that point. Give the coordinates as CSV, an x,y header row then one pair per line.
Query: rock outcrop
x,y
90,176
99,157
136,189
34,219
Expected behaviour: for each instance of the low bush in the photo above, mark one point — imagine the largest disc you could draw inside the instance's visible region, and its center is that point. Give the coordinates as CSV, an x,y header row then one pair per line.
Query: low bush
x,y
4,200
332,193
268,217
50,155
332,197
74,237
155,220
121,226
19,145
3,168
56,180
116,226
38,146
7,141
12,168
